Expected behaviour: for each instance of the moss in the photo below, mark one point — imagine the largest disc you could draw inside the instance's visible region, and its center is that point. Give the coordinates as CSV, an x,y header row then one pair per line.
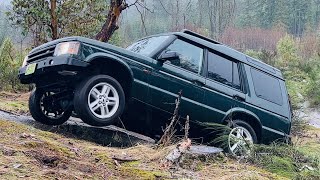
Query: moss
x,y
105,159
131,164
14,106
33,144
307,174
139,173
57,147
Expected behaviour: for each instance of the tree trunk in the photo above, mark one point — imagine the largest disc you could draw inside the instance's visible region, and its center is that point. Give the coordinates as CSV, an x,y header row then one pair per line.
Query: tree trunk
x,y
54,19
111,24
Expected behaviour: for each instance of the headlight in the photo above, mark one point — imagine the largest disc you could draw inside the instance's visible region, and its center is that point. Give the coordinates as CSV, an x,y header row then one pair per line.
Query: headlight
x,y
67,48
25,61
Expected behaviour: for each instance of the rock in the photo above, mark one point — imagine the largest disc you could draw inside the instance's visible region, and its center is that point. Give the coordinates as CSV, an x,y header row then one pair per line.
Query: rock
x,y
25,135
85,169
307,167
8,152
203,150
16,166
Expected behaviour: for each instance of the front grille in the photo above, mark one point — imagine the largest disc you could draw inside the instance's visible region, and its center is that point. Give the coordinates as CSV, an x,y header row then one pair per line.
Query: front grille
x,y
43,53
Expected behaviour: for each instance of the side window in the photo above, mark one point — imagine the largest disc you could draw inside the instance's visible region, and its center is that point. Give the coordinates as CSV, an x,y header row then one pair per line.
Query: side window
x,y
266,86
223,71
190,56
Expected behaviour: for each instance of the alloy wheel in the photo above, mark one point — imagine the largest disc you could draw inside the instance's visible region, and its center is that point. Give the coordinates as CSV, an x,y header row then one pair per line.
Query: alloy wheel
x,y
103,100
240,141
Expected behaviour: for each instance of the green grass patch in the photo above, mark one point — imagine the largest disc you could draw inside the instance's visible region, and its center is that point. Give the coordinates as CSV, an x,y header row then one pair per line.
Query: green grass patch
x,y
289,161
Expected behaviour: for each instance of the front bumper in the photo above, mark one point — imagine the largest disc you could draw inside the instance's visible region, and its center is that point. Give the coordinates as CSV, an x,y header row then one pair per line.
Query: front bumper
x,y
51,69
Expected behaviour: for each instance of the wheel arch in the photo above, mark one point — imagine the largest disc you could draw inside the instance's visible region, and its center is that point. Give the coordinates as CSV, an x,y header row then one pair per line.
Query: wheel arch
x,y
104,63
247,116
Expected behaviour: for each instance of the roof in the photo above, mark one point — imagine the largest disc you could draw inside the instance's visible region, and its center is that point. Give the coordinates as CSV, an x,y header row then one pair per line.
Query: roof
x,y
199,39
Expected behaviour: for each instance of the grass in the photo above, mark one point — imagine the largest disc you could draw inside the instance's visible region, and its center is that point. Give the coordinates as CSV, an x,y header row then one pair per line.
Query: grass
x,y
300,160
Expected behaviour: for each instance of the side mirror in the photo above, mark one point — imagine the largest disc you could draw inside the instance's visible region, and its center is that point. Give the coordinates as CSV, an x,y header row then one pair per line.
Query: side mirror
x,y
168,56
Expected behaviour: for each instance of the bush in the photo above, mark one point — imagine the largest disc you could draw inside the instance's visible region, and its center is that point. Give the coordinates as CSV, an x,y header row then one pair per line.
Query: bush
x,y
263,55
297,82
10,61
287,53
313,90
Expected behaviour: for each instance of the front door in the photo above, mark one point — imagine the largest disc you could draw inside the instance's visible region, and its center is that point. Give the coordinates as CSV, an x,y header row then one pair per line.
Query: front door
x,y
182,74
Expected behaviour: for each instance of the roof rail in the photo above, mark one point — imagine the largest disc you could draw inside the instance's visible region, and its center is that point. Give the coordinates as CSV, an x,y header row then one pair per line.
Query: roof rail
x,y
186,31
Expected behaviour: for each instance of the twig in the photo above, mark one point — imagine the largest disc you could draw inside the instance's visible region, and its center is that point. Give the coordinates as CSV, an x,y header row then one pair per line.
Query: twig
x,y
125,129
169,131
186,128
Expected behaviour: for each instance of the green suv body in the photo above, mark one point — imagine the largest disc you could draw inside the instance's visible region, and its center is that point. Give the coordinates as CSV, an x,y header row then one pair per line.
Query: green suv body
x,y
97,80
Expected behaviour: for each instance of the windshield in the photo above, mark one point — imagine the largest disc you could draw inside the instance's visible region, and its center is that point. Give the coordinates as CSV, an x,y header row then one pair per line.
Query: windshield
x,y
147,46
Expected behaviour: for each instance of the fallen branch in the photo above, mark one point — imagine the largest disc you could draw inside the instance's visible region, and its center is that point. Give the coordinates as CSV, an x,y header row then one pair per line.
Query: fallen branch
x,y
124,158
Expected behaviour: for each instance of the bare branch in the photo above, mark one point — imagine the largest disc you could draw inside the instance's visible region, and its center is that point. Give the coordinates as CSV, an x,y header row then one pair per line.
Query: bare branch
x,y
142,19
133,4
145,7
164,8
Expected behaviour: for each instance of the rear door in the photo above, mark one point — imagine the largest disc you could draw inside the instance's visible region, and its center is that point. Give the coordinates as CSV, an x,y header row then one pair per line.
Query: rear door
x,y
182,74
223,89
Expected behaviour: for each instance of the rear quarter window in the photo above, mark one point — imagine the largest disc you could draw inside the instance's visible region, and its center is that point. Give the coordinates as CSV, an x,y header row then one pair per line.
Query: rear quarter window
x,y
266,86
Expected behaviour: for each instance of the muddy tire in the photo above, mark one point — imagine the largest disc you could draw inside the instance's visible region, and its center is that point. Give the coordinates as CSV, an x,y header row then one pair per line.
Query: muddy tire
x,y
47,113
99,100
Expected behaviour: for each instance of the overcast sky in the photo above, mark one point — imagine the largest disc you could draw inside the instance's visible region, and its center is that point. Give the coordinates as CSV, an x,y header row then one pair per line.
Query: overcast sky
x,y
4,2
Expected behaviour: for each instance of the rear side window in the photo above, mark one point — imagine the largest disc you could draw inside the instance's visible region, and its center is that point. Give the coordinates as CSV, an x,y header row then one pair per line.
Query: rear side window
x,y
223,71
266,87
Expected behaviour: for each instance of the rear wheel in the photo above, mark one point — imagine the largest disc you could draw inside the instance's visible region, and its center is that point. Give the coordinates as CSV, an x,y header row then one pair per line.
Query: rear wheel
x,y
99,100
241,138
47,108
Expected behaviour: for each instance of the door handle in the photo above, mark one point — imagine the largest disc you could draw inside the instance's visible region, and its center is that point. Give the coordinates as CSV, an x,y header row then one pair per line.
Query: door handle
x,y
238,97
146,71
198,82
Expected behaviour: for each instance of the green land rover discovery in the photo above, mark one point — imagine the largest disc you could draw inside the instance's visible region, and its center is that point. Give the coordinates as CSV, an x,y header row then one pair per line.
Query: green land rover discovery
x,y
99,82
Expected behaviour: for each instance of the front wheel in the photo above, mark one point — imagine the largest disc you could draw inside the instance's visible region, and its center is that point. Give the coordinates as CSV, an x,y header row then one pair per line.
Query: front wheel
x,y
99,100
47,109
